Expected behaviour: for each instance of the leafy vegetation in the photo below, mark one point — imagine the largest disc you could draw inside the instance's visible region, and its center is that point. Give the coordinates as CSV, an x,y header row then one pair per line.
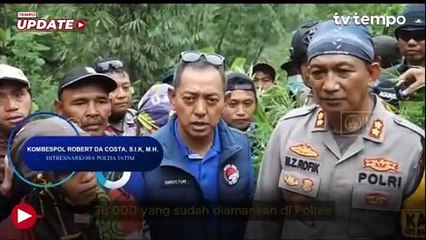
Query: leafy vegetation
x,y
148,37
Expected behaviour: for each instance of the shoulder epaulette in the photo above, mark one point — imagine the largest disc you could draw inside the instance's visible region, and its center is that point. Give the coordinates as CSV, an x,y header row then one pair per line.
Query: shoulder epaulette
x,y
302,111
407,124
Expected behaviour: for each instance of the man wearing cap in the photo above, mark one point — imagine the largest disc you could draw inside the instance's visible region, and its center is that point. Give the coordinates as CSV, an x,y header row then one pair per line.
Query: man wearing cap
x,y
341,150
411,42
386,47
168,76
69,211
239,112
122,121
205,162
296,66
15,105
264,76
83,98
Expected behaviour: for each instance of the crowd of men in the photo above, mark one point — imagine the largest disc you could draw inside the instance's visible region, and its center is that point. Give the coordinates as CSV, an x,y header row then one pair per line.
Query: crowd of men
x,y
342,146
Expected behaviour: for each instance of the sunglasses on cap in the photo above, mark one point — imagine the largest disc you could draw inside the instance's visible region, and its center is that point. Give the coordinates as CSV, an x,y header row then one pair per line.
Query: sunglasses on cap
x,y
194,56
110,65
416,35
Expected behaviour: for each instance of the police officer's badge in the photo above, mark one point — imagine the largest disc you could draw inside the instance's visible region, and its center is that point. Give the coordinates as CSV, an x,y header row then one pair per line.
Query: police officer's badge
x,y
231,174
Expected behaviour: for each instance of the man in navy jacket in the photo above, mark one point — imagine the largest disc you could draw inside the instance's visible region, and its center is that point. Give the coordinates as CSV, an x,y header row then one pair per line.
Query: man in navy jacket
x,y
206,165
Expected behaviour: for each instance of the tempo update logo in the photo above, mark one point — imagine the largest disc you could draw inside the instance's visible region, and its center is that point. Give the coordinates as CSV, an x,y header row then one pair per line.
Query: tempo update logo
x,y
28,21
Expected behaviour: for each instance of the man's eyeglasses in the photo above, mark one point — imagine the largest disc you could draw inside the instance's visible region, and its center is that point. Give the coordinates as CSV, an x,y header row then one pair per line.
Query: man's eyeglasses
x,y
110,65
417,35
194,56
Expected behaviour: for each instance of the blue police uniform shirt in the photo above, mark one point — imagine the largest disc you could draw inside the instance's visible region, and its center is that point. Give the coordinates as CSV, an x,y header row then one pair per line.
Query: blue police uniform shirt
x,y
203,169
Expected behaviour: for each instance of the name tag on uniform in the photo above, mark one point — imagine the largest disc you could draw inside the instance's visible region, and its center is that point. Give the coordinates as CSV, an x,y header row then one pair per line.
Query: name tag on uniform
x,y
195,156
175,182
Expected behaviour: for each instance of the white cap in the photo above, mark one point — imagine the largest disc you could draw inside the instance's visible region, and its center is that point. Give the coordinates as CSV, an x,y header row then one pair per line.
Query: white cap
x,y
12,73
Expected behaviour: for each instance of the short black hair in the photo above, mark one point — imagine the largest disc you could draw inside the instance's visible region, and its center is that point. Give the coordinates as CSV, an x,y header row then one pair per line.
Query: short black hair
x,y
198,65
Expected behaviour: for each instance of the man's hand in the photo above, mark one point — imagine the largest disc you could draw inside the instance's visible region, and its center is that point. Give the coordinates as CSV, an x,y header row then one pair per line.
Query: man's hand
x,y
6,185
414,78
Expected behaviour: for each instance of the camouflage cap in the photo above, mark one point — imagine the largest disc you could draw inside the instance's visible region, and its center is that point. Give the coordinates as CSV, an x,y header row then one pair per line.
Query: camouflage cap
x,y
52,126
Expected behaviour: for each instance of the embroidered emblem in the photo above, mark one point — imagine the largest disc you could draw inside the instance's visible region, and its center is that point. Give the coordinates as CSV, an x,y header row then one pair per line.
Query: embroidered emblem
x,y
304,150
231,174
381,165
376,199
307,185
376,129
290,180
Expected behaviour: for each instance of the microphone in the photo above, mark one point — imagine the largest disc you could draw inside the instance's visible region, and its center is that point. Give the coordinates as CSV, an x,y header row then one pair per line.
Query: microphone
x,y
391,95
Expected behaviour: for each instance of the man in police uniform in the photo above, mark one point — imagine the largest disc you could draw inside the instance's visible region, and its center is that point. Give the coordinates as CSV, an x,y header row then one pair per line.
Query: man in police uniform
x,y
342,150
296,66
123,117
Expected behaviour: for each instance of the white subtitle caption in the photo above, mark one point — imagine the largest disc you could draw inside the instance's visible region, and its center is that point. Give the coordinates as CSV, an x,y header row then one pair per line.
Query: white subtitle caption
x,y
368,20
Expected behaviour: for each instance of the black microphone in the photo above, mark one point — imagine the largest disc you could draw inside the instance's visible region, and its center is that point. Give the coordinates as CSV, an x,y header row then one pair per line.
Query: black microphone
x,y
391,95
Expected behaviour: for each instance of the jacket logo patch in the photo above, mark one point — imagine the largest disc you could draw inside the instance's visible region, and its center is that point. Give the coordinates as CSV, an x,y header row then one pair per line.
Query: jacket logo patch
x,y
376,199
381,165
304,150
231,174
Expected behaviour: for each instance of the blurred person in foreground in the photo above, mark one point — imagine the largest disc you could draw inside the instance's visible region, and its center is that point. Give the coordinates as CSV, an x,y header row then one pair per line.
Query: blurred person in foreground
x,y
342,150
122,121
205,162
297,66
263,76
413,210
15,105
240,109
386,47
69,211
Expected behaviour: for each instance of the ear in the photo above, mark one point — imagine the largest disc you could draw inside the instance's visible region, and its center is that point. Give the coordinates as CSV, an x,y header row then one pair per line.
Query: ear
x,y
58,106
172,97
374,72
377,58
227,97
132,90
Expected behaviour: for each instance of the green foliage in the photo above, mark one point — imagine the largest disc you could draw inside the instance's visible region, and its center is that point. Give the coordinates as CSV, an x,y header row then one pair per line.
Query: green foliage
x,y
149,37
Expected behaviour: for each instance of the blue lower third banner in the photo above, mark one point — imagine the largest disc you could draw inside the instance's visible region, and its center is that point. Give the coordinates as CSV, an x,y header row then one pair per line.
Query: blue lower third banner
x,y
65,154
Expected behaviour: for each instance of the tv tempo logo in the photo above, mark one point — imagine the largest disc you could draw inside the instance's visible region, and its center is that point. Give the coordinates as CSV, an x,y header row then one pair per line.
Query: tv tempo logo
x,y
113,184
28,21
